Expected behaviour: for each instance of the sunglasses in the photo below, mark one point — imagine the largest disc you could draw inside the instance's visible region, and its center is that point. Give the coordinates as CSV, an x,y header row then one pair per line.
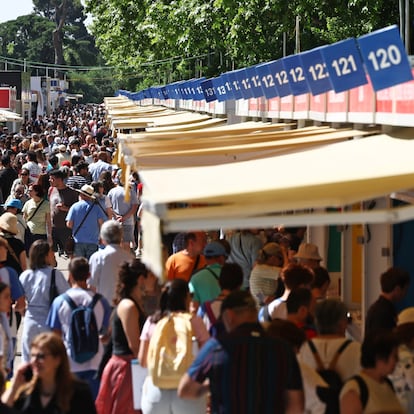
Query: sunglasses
x,y
39,356
24,174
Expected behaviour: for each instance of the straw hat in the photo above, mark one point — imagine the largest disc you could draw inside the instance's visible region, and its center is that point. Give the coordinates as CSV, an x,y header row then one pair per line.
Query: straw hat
x,y
87,190
8,223
308,251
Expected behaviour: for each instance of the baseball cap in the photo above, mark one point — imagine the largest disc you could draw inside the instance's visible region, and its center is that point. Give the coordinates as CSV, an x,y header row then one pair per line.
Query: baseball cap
x,y
214,249
14,203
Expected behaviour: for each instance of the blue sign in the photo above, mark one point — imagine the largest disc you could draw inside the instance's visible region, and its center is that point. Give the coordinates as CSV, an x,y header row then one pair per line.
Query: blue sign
x,y
385,58
198,90
344,64
315,70
296,75
280,77
255,82
227,85
220,88
209,90
244,83
267,80
235,84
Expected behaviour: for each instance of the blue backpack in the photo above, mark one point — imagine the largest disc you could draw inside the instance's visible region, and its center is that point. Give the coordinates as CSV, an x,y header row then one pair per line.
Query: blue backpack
x,y
83,330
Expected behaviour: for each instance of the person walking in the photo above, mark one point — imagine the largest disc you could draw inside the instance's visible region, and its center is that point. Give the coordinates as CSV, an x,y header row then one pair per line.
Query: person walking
x,y
38,287
85,218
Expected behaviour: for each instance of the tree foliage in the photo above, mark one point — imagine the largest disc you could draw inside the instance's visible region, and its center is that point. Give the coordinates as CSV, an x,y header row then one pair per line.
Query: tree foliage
x,y
27,37
159,41
30,38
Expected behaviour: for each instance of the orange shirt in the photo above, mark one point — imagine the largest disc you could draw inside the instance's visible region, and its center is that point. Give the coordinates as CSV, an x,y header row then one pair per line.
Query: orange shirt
x,y
181,266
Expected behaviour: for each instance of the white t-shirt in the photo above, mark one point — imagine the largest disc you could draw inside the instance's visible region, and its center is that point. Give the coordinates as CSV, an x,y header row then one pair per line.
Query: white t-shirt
x,y
348,363
381,398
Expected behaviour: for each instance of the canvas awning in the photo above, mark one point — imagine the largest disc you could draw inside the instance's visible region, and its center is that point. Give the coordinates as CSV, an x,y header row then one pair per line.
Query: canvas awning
x,y
329,176
258,192
9,116
228,149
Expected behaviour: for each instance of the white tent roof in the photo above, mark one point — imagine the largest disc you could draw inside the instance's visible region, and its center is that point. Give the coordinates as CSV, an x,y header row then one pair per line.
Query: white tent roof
x,y
332,175
257,192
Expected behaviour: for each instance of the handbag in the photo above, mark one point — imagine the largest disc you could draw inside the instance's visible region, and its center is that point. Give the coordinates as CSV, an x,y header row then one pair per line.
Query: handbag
x,y
53,292
69,246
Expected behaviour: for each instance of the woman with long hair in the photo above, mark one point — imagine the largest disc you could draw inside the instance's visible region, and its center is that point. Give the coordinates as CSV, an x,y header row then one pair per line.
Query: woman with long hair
x,y
107,181
46,385
102,198
175,300
115,393
36,212
37,281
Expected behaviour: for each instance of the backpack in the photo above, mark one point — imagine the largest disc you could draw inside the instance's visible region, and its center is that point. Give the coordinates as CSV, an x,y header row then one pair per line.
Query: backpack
x,y
83,330
329,395
363,389
216,324
170,351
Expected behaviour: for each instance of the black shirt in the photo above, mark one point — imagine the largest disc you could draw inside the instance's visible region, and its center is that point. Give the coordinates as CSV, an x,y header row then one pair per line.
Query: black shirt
x,y
381,316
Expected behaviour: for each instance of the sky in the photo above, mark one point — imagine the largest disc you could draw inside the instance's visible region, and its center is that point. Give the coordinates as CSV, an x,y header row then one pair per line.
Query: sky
x,y
11,10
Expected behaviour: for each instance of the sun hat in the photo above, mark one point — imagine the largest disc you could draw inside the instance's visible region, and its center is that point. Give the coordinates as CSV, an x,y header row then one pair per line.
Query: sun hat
x,y
87,190
308,251
62,148
406,316
8,223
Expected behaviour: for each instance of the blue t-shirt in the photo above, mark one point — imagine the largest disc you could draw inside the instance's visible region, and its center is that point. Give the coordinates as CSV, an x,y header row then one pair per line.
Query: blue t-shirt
x,y
89,231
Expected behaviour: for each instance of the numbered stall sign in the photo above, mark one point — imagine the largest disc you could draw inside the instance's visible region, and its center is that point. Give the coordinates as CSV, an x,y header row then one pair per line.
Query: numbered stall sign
x,y
185,90
385,58
235,84
255,82
344,64
267,80
164,92
315,70
281,78
220,88
209,90
296,74
244,82
198,90
227,85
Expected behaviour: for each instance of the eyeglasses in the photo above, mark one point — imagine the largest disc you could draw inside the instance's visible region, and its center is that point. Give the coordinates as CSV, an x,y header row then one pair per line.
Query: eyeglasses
x,y
41,356
24,175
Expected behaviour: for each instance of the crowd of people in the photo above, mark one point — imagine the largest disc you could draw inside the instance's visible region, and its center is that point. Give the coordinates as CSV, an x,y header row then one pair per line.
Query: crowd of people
x,y
243,323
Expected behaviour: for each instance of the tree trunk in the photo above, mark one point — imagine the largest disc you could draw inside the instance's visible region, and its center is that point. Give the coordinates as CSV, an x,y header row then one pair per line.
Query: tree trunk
x,y
60,18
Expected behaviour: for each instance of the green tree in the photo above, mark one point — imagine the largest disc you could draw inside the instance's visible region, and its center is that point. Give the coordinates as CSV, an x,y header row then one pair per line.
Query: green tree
x,y
27,37
62,13
167,40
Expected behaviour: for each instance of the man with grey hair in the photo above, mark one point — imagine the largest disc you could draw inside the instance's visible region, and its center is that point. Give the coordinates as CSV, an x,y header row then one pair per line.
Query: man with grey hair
x,y
104,264
331,343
